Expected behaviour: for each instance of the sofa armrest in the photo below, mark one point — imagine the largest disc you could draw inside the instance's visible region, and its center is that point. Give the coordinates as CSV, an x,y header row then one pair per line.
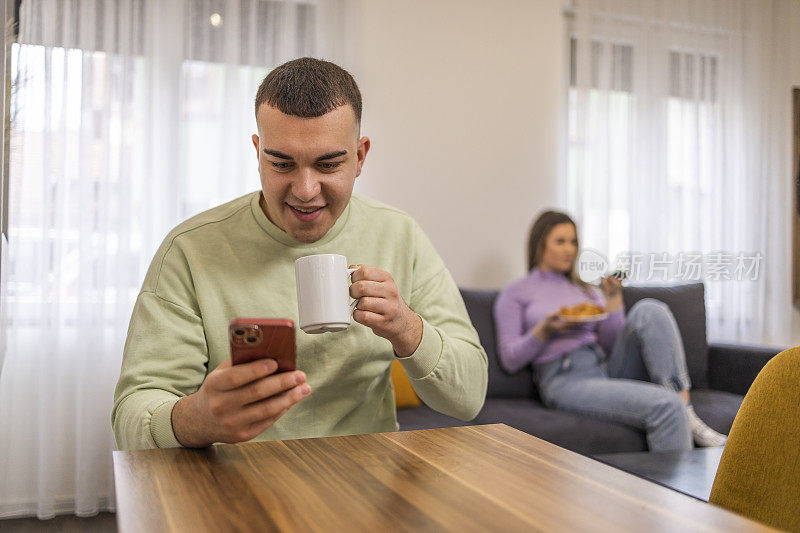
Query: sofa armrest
x,y
733,367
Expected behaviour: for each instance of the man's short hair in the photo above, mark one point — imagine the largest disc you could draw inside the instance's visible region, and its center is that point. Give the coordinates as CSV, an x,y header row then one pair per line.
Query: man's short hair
x,y
309,87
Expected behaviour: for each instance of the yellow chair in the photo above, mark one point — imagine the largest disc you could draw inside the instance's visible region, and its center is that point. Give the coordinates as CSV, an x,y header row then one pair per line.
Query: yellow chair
x,y
759,473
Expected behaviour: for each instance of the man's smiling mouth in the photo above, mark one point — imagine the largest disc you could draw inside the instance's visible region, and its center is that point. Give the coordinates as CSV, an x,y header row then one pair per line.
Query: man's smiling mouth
x,y
307,209
306,214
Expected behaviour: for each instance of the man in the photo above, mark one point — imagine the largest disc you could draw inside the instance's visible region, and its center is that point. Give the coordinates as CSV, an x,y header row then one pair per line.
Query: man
x,y
177,386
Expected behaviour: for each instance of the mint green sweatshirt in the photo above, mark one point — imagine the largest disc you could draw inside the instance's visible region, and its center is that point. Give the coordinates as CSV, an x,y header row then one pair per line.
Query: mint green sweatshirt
x,y
231,261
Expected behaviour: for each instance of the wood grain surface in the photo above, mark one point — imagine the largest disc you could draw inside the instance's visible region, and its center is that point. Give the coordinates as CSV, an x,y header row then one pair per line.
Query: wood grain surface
x,y
473,478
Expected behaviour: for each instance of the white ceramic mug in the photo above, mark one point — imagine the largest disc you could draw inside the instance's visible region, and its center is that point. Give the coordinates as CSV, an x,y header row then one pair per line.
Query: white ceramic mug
x,y
323,293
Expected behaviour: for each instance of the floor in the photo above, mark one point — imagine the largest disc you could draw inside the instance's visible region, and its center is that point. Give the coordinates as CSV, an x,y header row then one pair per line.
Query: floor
x,y
102,523
689,472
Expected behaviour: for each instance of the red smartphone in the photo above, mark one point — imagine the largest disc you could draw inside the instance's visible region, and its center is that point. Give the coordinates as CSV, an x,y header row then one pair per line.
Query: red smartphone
x,y
263,338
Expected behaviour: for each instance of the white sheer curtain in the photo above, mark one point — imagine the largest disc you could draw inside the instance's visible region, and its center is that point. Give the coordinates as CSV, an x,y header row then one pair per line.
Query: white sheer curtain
x,y
678,161
127,117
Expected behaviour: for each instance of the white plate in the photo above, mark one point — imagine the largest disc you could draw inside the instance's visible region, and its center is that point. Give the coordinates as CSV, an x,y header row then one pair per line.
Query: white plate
x,y
582,319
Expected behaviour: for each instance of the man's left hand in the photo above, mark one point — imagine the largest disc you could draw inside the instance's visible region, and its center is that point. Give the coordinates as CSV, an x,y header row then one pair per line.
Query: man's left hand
x,y
381,309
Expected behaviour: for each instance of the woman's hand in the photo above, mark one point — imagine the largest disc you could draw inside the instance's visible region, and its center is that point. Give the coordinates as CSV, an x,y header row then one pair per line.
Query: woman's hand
x,y
551,324
612,290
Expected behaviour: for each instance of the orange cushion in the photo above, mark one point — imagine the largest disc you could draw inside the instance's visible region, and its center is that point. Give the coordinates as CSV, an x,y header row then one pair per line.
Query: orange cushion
x,y
404,395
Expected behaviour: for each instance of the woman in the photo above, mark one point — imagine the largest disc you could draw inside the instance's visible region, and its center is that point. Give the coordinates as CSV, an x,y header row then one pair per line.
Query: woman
x,y
577,366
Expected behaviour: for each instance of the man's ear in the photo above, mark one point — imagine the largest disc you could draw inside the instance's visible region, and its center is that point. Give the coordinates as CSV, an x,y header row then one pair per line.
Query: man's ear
x,y
361,153
255,143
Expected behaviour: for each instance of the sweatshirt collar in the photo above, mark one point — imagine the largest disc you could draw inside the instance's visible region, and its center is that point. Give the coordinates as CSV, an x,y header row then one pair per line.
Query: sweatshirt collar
x,y
282,237
548,274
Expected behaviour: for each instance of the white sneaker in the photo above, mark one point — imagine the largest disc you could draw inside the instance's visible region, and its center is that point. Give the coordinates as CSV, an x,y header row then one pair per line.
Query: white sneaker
x,y
703,435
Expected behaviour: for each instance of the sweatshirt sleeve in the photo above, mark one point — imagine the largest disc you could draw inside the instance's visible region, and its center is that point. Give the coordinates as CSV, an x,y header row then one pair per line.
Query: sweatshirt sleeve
x,y
165,358
517,347
448,370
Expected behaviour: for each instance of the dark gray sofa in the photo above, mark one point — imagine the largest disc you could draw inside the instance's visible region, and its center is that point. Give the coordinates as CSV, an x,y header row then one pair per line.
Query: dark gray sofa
x,y
721,375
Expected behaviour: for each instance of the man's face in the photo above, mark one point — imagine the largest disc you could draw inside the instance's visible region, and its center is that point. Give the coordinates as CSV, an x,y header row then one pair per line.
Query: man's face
x,y
308,167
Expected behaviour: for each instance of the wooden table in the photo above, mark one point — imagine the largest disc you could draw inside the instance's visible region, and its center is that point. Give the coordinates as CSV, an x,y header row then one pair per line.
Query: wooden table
x,y
470,478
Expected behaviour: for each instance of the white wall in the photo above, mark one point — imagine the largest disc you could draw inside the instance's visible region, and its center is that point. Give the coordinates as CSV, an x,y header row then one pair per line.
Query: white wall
x,y
462,101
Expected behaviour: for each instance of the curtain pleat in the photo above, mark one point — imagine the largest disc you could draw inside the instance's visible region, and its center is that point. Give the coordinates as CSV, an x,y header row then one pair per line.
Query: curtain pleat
x,y
676,151
127,117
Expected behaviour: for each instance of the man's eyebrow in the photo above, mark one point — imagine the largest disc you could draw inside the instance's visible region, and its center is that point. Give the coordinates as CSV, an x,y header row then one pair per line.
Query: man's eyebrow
x,y
279,155
331,155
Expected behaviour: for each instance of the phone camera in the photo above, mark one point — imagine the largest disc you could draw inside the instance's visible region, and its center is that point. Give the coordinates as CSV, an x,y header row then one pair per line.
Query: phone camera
x,y
239,331
251,340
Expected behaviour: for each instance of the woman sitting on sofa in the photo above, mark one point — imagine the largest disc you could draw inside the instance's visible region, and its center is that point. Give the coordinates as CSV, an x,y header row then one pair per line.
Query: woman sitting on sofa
x,y
578,364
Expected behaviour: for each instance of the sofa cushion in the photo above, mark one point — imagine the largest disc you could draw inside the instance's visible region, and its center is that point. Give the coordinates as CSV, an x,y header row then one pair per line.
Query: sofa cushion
x,y
480,306
423,417
404,394
716,408
687,303
578,433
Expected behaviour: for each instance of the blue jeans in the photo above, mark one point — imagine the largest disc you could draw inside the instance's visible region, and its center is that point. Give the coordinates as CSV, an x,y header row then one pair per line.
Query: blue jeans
x,y
584,381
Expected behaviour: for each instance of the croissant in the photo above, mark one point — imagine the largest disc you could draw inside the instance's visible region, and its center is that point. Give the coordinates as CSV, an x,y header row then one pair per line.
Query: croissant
x,y
582,309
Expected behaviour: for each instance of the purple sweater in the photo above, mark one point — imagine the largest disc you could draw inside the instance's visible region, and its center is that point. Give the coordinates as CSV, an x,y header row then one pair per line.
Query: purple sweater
x,y
526,302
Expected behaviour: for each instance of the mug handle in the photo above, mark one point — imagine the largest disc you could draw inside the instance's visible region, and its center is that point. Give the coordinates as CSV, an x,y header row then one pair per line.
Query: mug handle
x,y
355,302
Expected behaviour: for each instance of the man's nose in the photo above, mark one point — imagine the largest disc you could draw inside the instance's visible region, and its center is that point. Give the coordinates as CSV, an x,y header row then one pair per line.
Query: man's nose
x,y
306,187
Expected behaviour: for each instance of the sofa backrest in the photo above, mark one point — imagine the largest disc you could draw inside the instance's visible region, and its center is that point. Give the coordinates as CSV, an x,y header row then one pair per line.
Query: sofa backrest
x,y
686,301
480,306
688,304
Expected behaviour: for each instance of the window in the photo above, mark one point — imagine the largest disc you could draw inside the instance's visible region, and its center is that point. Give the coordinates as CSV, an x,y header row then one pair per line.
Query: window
x,y
693,126
82,150
602,144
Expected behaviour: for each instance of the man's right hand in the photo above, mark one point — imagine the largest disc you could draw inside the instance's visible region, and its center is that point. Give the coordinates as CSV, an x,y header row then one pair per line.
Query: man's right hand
x,y
237,403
